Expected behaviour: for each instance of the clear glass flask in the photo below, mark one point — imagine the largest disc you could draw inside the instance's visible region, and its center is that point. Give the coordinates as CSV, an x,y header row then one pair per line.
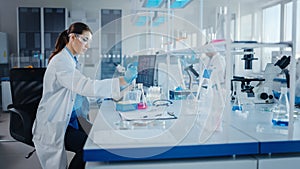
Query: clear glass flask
x,y
281,109
237,105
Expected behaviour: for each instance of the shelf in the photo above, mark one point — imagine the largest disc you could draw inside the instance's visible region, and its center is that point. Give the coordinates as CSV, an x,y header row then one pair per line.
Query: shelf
x,y
260,45
187,51
220,47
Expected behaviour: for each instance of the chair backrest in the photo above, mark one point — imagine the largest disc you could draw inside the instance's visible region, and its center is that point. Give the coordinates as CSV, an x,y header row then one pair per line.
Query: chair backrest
x,y
26,91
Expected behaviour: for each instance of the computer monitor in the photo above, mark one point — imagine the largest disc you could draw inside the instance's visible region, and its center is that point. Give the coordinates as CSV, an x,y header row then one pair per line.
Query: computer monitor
x,y
146,70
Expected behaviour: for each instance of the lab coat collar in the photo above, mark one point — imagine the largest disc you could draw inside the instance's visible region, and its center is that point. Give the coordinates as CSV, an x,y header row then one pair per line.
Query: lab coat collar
x,y
70,53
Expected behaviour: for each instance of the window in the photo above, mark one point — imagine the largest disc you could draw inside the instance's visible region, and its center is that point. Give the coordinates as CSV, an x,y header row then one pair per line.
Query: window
x,y
271,31
298,31
246,27
288,19
271,24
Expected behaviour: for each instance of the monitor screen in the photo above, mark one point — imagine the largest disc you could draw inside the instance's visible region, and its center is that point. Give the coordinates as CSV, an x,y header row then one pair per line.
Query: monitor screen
x,y
146,70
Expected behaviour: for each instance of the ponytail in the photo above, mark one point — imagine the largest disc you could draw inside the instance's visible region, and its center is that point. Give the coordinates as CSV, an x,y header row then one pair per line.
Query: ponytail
x,y
63,38
60,43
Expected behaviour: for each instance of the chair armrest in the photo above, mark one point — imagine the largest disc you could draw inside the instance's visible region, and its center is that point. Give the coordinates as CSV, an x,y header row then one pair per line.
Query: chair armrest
x,y
13,110
10,106
26,118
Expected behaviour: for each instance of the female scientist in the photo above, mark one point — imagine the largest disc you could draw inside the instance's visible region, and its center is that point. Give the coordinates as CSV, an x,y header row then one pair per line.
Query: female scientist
x,y
56,127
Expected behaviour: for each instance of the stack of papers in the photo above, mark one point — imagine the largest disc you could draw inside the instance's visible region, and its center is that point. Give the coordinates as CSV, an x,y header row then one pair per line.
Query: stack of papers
x,y
146,115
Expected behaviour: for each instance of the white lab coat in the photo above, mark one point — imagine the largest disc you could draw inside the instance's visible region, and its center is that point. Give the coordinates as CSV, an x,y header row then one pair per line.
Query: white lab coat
x,y
61,83
215,63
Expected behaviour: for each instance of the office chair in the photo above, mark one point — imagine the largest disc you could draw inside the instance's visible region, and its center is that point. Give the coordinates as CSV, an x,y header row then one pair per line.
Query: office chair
x,y
26,91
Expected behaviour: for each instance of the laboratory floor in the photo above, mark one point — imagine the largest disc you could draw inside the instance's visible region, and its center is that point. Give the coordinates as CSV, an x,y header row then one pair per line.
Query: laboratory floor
x,y
12,153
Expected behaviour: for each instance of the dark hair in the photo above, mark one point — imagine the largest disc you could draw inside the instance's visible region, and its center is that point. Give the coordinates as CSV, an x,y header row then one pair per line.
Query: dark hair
x,y
63,38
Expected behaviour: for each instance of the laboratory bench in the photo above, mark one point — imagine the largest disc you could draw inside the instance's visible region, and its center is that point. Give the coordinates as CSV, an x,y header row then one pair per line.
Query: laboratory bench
x,y
245,140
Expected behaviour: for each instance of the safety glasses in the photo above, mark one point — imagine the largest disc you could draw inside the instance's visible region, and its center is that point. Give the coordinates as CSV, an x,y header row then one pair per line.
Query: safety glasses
x,y
83,39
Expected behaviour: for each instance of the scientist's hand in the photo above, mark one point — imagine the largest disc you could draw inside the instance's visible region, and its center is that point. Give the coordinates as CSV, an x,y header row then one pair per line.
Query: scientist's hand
x,y
130,74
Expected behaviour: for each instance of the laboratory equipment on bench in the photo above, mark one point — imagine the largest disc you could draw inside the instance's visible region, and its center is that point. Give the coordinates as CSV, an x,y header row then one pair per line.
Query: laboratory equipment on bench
x,y
147,70
281,109
180,93
195,73
142,102
153,93
130,101
248,58
133,100
246,84
124,106
244,58
264,90
237,106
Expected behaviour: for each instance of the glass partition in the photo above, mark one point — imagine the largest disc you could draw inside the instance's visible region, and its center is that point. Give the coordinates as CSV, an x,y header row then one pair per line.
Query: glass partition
x,y
253,42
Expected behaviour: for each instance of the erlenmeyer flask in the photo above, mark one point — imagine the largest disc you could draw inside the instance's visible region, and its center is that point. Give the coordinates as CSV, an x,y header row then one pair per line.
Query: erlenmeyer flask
x,y
281,109
236,104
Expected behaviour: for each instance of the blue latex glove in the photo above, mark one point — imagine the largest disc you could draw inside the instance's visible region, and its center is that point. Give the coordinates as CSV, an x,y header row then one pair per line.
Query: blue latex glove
x,y
78,102
123,87
130,74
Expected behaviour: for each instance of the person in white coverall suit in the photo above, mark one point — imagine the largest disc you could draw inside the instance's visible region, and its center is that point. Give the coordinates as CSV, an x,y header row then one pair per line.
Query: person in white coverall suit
x,y
56,128
213,61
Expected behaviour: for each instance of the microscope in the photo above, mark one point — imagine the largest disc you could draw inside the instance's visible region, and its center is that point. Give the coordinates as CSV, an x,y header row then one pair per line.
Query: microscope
x,y
246,84
179,93
195,73
263,90
246,87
